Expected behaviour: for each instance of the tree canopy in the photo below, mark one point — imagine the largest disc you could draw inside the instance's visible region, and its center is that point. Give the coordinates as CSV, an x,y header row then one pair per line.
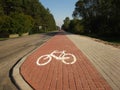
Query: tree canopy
x,y
100,17
19,16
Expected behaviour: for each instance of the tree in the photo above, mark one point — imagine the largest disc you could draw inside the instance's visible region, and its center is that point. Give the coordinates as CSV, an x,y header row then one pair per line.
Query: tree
x,y
76,26
101,17
26,15
22,23
5,24
1,8
66,24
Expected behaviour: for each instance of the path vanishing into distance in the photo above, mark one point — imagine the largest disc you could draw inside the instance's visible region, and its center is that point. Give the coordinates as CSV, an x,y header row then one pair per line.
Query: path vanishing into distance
x,y
65,62
12,50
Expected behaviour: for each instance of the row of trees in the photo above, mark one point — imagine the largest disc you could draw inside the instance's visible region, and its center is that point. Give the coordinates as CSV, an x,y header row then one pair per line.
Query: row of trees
x,y
20,16
73,26
100,17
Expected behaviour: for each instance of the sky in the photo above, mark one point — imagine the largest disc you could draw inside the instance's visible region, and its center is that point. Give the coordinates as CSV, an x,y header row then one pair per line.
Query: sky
x,y
60,9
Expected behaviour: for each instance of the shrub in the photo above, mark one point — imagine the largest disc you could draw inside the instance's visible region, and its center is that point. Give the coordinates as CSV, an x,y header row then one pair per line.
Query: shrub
x,y
23,23
16,23
6,24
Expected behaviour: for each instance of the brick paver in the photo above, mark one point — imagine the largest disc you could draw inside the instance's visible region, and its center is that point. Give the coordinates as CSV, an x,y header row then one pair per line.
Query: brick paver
x,y
56,75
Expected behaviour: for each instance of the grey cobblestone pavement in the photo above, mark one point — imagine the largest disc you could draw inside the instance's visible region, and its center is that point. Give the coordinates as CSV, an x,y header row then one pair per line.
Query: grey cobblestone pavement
x,y
105,58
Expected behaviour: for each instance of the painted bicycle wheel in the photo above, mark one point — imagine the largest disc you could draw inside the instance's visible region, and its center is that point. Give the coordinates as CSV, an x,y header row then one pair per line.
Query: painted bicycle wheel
x,y
69,59
43,60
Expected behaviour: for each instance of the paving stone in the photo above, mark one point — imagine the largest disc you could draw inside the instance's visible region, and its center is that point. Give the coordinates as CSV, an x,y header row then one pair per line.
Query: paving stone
x,y
58,75
105,58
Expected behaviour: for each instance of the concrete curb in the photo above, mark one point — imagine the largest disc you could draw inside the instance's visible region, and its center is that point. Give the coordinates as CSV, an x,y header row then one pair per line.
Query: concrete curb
x,y
18,79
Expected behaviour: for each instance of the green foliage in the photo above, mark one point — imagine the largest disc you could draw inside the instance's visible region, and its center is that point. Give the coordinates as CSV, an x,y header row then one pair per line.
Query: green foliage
x,y
6,24
1,10
75,26
20,16
78,28
65,26
22,23
101,17
41,16
17,23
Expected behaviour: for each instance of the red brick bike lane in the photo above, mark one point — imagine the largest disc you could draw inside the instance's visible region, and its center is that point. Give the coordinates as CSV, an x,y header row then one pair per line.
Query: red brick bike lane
x,y
60,65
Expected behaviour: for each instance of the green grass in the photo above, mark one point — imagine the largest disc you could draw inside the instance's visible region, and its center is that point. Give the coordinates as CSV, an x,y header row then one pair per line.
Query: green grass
x,y
1,39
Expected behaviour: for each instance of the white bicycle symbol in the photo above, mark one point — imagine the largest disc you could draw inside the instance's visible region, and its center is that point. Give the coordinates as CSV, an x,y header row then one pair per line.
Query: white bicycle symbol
x,y
66,58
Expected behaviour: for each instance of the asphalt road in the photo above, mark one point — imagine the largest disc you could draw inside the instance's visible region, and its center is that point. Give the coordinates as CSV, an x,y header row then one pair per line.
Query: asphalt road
x,y
12,50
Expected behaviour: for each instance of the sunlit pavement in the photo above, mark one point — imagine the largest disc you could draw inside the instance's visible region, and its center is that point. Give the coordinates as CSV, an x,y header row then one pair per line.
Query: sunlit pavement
x,y
60,65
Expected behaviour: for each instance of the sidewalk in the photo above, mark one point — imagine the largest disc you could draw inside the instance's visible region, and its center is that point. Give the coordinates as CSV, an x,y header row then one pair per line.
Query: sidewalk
x,y
74,72
105,58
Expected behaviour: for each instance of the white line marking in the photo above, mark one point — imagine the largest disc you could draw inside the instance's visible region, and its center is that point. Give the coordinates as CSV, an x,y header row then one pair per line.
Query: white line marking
x,y
66,58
